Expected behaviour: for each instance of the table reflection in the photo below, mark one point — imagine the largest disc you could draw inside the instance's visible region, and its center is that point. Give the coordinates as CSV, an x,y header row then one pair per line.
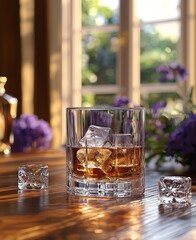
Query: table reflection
x,y
106,216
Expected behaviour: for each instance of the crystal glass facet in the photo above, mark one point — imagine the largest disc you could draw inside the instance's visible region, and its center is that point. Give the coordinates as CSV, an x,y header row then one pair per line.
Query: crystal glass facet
x,y
175,190
105,152
31,177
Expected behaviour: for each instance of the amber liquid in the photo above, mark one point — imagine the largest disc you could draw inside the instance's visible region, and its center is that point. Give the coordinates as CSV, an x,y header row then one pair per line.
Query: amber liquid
x,y
107,163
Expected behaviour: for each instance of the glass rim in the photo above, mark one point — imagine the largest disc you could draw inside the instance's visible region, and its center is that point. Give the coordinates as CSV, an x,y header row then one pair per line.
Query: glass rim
x,y
106,108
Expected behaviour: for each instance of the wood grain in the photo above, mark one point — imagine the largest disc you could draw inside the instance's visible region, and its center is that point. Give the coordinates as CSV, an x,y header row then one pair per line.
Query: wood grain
x,y
53,214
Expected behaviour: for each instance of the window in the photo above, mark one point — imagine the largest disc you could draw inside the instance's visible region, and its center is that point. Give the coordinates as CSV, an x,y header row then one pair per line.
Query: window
x,y
108,47
133,64
105,71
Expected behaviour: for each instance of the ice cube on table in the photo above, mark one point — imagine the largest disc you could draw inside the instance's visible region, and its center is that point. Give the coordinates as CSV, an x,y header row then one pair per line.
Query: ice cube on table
x,y
95,136
33,176
175,190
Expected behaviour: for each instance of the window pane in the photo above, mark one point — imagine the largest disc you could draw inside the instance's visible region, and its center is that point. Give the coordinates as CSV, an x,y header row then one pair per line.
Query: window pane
x,y
100,19
158,45
90,100
152,10
99,58
100,12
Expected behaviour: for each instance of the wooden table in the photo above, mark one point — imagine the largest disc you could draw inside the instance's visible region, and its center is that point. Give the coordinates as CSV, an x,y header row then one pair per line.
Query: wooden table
x,y
53,214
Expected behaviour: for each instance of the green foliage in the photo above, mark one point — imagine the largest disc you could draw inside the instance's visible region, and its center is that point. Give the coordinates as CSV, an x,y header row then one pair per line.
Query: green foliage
x,y
98,99
88,100
101,99
158,130
91,10
170,129
100,59
158,97
154,51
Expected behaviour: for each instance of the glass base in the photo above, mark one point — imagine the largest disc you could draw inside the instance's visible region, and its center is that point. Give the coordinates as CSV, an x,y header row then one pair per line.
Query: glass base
x,y
129,188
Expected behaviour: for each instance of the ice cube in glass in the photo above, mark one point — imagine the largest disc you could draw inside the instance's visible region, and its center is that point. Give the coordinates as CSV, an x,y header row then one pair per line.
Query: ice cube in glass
x,y
95,136
122,140
33,177
175,190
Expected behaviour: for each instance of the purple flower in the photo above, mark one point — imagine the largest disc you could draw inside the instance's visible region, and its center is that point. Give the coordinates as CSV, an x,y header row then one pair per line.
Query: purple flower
x,y
120,101
30,132
172,71
182,72
182,141
159,124
156,108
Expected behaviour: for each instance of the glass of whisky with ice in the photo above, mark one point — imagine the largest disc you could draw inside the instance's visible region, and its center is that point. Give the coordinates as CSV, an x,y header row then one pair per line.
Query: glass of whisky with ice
x,y
105,152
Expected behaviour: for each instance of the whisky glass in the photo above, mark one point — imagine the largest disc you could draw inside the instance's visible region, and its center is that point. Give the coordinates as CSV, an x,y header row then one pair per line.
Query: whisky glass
x,y
105,152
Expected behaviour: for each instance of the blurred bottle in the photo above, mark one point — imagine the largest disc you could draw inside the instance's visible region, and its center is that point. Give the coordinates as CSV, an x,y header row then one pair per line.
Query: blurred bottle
x,y
8,111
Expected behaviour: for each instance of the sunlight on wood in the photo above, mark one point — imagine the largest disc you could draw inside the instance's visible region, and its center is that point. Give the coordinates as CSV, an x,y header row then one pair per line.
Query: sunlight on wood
x,y
27,71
